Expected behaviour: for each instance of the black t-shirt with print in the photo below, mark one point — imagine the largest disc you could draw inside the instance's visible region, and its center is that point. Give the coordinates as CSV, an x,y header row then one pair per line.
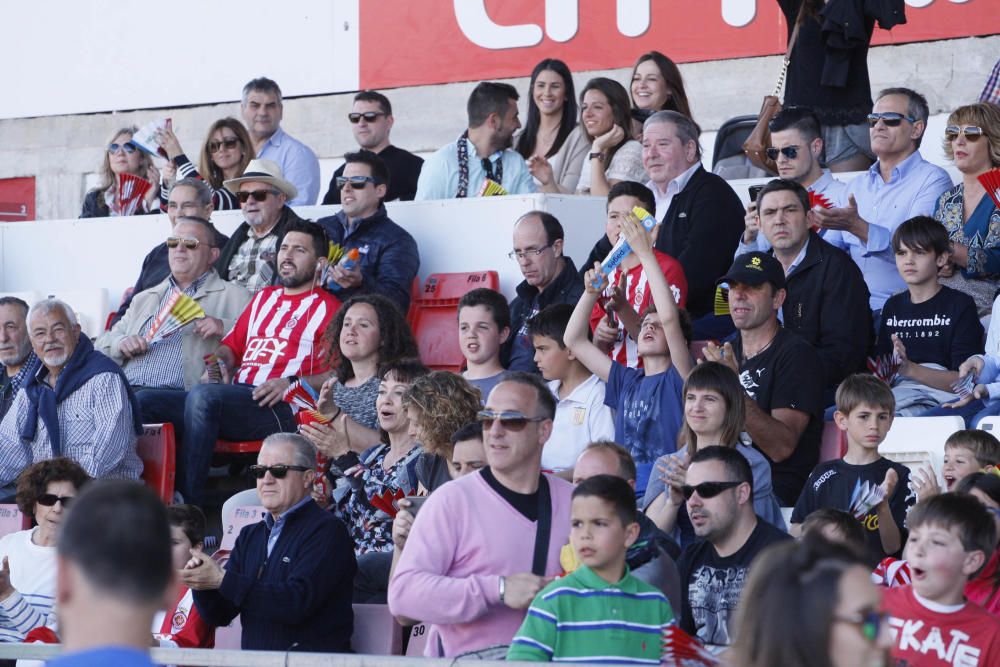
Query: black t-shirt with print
x,y
943,330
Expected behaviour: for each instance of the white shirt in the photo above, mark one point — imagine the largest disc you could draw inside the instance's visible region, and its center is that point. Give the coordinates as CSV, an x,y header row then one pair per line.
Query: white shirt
x,y
581,418
664,198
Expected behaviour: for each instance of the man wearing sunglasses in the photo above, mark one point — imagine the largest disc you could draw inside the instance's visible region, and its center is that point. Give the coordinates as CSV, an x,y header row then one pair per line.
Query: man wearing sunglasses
x,y
485,544
718,490
899,186
388,258
371,121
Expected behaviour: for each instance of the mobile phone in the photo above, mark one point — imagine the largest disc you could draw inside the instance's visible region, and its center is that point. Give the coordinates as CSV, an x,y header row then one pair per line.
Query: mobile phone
x,y
754,190
415,503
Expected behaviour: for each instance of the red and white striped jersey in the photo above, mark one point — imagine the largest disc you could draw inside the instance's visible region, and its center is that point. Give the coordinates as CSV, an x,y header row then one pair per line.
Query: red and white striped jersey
x,y
279,335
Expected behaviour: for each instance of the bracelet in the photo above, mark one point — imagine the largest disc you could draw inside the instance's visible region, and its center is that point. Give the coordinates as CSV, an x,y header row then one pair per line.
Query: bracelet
x,y
503,589
598,156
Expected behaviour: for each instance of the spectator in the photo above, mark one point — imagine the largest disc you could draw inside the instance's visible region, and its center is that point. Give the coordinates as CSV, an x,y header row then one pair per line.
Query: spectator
x,y
647,401
388,259
569,619
288,576
657,85
983,588
952,537
835,526
615,319
262,111
549,278
189,197
483,328
28,575
930,327
714,414
111,581
275,340
614,155
176,362
182,626
450,173
18,359
966,210
864,413
581,415
77,404
810,602
900,185
480,573
965,452
826,298
552,141
719,492
248,257
123,156
368,332
371,121
991,91
224,156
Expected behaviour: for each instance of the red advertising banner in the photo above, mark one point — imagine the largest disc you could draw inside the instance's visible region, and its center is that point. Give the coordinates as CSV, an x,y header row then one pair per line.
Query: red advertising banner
x,y
441,41
17,199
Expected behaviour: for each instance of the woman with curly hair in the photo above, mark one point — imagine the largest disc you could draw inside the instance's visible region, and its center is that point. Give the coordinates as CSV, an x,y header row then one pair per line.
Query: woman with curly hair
x,y
225,154
123,156
367,333
437,405
28,570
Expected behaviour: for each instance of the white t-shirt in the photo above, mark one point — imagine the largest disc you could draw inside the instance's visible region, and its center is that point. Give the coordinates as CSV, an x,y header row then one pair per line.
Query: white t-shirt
x,y
581,418
33,576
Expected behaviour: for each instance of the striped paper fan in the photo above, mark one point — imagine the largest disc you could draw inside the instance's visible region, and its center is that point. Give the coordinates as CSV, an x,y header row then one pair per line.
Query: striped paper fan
x,y
680,648
180,309
491,189
131,190
301,395
721,304
991,181
304,417
817,200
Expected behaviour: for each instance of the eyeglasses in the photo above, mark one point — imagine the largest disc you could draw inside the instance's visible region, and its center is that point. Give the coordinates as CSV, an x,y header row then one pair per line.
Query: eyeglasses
x,y
214,146
869,622
369,116
528,252
256,195
189,243
790,152
509,419
707,489
50,499
278,471
128,147
890,118
971,133
356,182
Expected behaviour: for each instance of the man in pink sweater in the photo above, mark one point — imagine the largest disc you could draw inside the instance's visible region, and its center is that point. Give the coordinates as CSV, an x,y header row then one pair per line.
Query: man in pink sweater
x,y
467,567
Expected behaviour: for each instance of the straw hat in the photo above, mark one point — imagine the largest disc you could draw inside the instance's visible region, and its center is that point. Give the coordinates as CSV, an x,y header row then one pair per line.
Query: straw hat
x,y
263,171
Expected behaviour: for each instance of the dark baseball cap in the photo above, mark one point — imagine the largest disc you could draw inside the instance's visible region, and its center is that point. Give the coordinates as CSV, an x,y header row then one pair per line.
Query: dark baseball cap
x,y
755,268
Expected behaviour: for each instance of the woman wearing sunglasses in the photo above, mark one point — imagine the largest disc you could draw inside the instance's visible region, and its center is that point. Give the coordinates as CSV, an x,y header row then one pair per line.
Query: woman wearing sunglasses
x,y
972,142
812,603
224,156
28,566
121,156
713,415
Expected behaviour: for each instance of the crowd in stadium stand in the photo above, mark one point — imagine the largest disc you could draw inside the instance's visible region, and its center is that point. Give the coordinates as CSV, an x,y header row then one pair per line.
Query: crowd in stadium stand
x,y
605,476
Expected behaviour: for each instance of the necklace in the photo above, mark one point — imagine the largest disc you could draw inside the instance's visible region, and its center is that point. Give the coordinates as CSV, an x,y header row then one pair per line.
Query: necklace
x,y
747,356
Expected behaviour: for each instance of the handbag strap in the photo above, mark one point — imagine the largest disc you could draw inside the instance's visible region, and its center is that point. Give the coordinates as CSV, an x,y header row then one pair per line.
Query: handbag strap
x,y
788,52
543,529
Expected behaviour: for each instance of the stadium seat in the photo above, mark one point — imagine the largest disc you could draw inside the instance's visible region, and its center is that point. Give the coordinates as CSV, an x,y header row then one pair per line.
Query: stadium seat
x,y
243,516
91,307
729,140
915,441
991,424
157,448
418,640
228,637
786,514
376,631
834,443
435,316
237,447
12,520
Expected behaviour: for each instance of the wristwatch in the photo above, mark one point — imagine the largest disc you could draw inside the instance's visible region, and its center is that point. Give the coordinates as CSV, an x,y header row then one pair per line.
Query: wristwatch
x,y
503,589
598,156
292,379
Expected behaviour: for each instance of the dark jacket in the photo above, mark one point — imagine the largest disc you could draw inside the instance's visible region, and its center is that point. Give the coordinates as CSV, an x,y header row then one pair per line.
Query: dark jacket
x,y
518,354
701,230
301,593
404,171
827,304
242,233
389,256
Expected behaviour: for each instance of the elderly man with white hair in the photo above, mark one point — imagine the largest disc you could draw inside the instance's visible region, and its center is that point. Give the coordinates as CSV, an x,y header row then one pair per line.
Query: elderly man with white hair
x,y
78,404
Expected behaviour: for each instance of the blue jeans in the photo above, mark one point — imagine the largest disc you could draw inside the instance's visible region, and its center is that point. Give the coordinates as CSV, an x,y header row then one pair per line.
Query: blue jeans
x,y
971,413
202,416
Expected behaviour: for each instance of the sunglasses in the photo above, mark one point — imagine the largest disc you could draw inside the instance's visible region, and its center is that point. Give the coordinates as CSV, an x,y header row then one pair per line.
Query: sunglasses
x,y
189,243
50,499
970,132
509,419
707,489
214,146
128,147
890,118
256,195
369,116
278,471
790,152
356,182
869,622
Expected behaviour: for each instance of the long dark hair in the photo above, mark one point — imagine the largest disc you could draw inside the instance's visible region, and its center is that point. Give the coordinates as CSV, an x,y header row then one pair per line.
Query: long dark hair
x,y
526,142
713,376
395,338
617,98
677,99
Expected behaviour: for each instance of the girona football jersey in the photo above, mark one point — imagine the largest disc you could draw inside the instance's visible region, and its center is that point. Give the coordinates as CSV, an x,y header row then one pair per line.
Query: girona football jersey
x,y
278,335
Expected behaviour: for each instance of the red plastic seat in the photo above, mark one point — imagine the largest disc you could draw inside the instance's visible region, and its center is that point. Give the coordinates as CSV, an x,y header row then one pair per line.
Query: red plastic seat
x,y
455,285
434,316
834,443
157,448
237,447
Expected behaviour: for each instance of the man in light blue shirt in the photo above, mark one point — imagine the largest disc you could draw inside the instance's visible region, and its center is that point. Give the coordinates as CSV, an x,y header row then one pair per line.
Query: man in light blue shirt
x,y
262,112
483,152
900,185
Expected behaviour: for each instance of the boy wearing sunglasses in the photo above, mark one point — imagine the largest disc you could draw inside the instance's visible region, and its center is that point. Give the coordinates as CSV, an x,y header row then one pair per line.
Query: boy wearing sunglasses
x,y
951,538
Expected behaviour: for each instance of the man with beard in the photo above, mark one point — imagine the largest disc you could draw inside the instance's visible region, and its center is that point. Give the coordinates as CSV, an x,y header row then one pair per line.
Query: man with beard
x,y
76,404
16,354
482,153
276,340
